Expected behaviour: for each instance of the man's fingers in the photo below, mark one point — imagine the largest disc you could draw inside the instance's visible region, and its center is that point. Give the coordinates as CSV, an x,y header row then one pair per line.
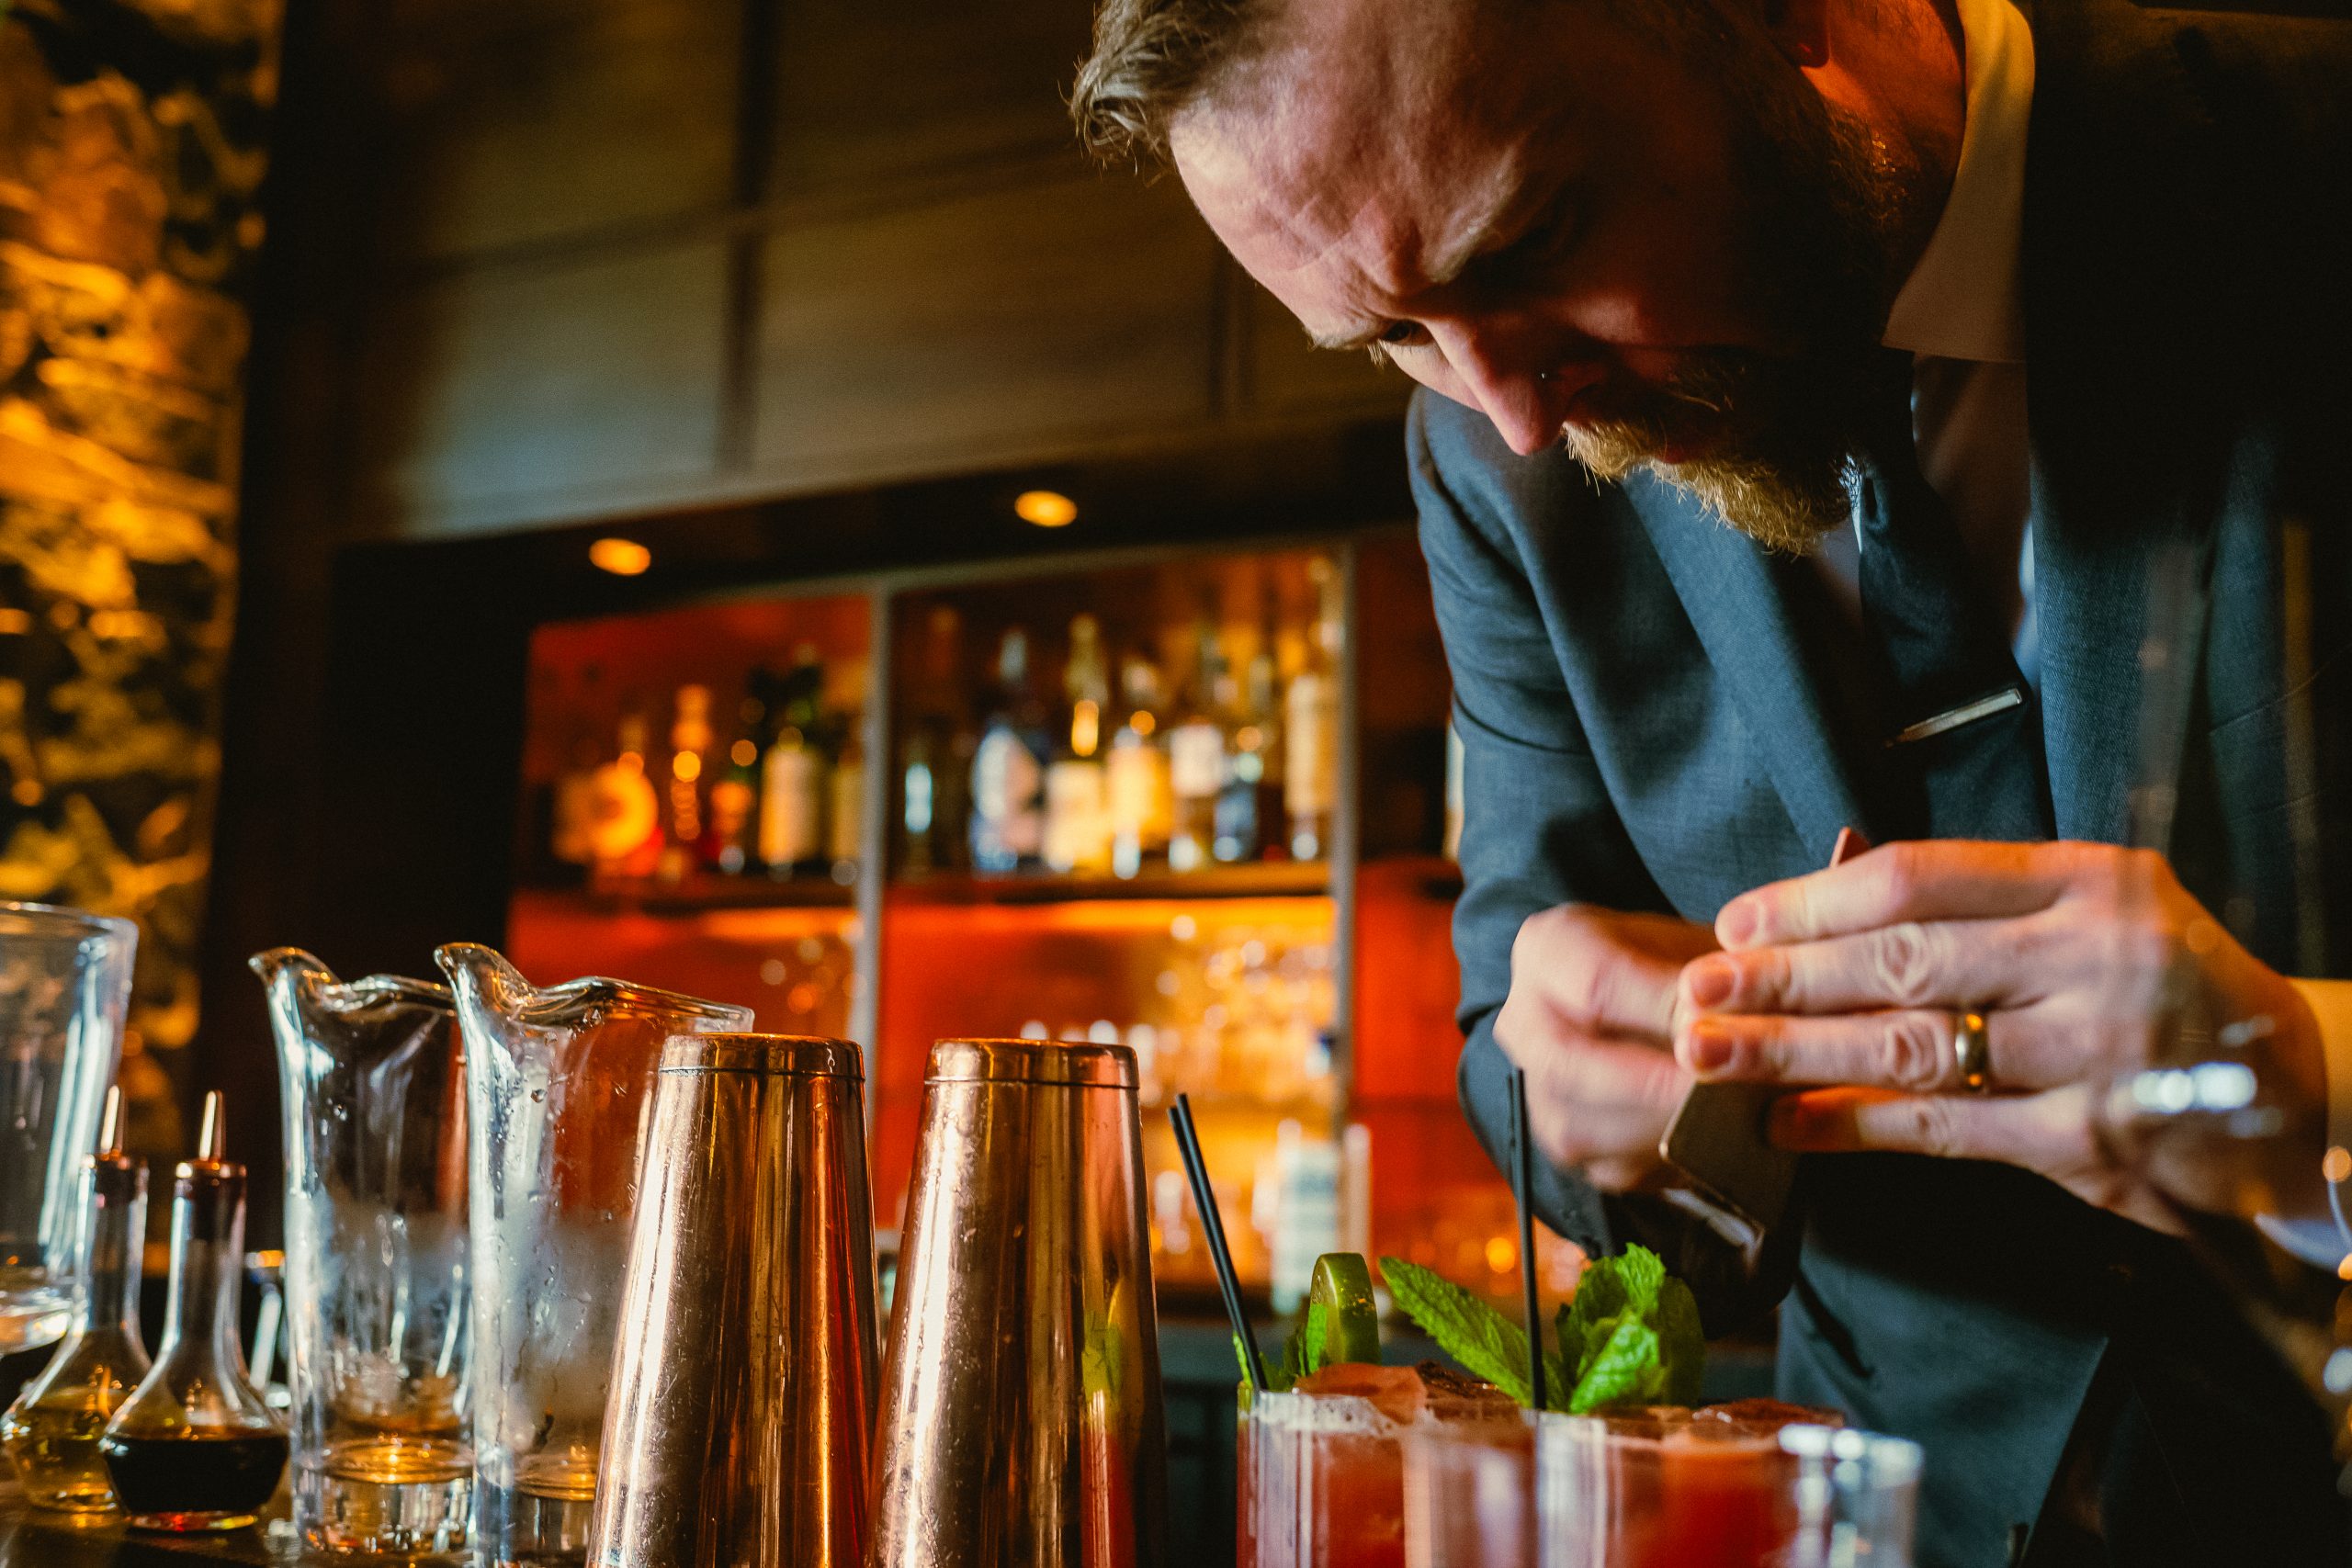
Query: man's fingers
x,y
1935,879
1591,1099
2047,1132
1603,973
1932,964
1910,1050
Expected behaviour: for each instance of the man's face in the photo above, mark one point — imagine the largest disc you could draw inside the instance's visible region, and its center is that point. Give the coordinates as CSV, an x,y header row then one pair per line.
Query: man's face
x,y
1656,243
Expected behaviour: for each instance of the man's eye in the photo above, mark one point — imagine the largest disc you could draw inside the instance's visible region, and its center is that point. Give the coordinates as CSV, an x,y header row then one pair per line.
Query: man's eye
x,y
1403,334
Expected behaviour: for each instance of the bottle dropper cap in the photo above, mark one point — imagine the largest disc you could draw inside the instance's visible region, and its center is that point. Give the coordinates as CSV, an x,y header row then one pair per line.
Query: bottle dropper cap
x,y
114,1174
216,1186
110,1126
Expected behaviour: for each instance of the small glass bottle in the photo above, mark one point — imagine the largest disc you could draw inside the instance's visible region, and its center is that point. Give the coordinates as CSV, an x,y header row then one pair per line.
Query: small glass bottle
x,y
52,1432
195,1448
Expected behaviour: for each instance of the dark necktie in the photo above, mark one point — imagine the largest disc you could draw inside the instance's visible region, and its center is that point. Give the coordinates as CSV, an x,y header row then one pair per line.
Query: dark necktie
x,y
1962,758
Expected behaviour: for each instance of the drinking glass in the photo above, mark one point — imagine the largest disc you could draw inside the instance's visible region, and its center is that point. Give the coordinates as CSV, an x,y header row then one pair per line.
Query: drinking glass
x,y
558,1086
64,985
1321,1483
1667,1488
1470,1493
374,1285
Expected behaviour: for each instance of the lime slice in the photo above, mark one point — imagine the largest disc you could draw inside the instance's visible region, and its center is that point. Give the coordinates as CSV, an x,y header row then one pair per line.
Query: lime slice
x,y
1342,1284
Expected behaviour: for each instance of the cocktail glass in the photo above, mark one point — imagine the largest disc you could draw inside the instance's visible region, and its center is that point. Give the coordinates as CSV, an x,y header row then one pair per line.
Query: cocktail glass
x,y
64,985
1470,1493
1751,1484
1321,1480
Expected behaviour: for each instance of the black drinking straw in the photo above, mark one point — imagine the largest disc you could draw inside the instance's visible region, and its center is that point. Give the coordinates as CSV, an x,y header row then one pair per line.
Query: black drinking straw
x,y
1523,1176
1188,1142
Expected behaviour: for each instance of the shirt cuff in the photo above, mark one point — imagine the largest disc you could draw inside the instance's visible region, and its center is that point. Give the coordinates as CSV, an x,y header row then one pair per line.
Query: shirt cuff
x,y
2323,1239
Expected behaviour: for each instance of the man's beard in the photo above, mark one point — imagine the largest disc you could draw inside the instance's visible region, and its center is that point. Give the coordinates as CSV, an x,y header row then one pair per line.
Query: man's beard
x,y
1779,433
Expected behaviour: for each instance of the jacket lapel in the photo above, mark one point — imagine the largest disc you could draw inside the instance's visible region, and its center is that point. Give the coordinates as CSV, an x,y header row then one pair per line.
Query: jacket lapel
x,y
1739,600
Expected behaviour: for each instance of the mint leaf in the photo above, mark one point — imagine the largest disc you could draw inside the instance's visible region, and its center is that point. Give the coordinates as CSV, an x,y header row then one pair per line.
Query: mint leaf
x,y
1681,1344
1633,1334
1303,1351
1485,1342
1619,1371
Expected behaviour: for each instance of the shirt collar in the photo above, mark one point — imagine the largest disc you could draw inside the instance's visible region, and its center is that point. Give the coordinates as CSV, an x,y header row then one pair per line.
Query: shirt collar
x,y
1962,298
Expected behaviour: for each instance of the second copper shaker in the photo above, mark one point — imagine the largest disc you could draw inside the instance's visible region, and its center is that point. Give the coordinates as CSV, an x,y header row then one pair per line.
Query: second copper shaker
x,y
742,1402
1021,1414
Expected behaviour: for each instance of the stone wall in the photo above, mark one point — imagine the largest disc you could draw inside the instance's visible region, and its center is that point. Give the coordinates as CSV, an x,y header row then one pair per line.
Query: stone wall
x,y
131,152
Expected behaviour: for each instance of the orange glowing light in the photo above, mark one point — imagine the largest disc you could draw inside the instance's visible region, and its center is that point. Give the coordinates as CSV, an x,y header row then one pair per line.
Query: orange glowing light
x,y
1045,508
622,557
2338,1164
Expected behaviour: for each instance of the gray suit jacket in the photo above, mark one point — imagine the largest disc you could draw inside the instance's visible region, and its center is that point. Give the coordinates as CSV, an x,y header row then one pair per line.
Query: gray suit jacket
x,y
1653,718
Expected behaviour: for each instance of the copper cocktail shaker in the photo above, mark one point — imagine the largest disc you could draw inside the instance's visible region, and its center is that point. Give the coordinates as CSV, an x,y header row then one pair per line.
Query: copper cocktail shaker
x,y
1021,1419
743,1406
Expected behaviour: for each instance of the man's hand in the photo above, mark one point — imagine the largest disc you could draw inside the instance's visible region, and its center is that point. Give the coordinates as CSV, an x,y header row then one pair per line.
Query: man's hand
x,y
1591,1015
2088,962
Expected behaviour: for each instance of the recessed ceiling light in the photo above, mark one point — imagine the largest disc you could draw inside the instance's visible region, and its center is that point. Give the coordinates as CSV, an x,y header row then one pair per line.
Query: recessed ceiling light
x,y
1045,508
622,557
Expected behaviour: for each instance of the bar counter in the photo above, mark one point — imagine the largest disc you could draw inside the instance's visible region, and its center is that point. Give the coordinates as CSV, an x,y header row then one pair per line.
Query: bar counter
x,y
32,1539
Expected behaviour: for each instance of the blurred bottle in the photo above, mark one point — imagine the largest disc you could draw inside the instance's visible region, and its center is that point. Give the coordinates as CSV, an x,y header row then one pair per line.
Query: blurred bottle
x,y
692,740
1249,806
1009,767
792,774
1308,1177
573,833
735,797
1077,818
934,759
624,831
1141,806
1196,754
1311,727
846,811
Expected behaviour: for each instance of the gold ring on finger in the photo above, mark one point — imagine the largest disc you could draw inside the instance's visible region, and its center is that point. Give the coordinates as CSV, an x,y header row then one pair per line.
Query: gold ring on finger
x,y
1972,1051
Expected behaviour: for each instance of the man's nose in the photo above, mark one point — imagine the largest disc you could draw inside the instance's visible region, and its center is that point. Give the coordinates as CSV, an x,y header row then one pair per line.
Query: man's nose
x,y
1524,386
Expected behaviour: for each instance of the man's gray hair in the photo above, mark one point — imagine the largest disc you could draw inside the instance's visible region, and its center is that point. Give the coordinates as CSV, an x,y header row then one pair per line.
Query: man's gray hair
x,y
1151,60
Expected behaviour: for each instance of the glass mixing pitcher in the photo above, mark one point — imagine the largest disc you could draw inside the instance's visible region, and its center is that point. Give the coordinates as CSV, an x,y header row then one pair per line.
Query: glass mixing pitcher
x,y
558,1085
372,1083
64,985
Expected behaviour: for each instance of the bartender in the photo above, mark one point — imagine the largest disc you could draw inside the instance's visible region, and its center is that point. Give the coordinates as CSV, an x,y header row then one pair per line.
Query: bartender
x,y
1920,416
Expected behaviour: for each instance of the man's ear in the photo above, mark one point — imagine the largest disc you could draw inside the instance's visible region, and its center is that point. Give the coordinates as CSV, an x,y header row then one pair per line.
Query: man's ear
x,y
1800,29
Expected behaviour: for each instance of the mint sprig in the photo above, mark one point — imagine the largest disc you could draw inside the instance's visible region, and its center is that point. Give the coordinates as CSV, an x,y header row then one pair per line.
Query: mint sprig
x,y
1630,1335
1485,1342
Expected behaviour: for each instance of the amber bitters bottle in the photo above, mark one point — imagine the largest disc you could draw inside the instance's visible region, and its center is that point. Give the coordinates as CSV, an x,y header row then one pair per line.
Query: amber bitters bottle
x,y
52,1432
195,1448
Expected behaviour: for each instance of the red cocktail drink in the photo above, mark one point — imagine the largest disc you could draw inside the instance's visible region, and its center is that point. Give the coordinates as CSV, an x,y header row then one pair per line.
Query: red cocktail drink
x,y
1322,1468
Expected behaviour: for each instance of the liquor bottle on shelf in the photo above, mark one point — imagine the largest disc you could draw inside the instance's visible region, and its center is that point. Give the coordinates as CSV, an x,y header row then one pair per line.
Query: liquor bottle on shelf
x,y
1078,822
792,774
1311,727
1248,808
1196,756
735,797
935,761
1007,767
845,810
625,831
1141,806
691,742
572,833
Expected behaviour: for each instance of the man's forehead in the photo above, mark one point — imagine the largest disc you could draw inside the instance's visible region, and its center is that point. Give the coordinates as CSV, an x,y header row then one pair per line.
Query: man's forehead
x,y
1354,165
